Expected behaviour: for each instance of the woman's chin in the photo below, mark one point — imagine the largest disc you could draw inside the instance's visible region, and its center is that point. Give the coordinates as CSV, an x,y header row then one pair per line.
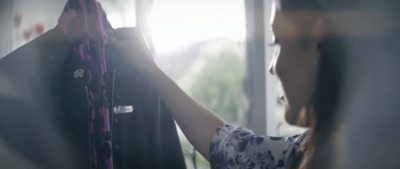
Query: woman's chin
x,y
291,118
297,117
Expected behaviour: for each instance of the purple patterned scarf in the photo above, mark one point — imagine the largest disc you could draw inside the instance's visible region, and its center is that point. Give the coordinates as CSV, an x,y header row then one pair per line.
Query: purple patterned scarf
x,y
85,23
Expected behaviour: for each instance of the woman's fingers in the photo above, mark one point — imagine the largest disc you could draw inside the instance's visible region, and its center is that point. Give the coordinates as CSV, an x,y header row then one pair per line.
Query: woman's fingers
x,y
128,34
130,43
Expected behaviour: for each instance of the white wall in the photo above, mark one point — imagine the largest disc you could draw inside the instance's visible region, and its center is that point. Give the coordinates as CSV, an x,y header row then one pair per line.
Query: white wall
x,y
33,12
46,12
5,27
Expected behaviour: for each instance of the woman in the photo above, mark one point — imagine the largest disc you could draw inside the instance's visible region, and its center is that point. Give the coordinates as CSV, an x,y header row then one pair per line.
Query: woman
x,y
298,30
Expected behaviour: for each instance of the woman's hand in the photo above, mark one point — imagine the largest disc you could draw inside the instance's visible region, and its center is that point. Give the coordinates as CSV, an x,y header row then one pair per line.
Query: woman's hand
x,y
132,46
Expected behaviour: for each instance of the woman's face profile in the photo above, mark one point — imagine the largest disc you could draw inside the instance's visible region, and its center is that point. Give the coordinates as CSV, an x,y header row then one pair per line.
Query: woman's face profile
x,y
295,61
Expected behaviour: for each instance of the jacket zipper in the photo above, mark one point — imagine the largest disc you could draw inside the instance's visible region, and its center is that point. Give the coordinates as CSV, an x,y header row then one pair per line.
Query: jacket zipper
x,y
111,116
88,117
112,104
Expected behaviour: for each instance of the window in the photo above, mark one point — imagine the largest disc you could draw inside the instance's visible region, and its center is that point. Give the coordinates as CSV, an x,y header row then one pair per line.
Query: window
x,y
200,44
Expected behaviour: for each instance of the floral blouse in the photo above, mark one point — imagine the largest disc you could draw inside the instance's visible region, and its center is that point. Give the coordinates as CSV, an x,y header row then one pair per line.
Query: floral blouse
x,y
240,148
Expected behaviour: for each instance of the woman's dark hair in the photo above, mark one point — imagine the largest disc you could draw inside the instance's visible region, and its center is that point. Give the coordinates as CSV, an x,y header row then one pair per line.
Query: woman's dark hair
x,y
339,52
344,59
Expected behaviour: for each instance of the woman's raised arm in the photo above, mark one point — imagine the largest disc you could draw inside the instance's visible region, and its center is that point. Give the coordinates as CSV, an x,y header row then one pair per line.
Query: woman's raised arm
x,y
197,123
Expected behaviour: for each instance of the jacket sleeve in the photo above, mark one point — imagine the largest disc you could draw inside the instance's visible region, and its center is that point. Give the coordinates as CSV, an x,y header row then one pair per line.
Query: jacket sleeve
x,y
26,122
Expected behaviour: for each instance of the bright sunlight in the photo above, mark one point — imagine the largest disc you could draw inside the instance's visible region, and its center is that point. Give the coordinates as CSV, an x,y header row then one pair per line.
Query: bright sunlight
x,y
177,23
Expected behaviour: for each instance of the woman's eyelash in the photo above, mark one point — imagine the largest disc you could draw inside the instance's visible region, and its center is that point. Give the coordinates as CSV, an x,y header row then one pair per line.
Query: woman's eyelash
x,y
274,43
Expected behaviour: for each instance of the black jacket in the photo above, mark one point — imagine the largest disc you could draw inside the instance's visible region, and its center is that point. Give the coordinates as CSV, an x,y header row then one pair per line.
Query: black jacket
x,y
44,110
